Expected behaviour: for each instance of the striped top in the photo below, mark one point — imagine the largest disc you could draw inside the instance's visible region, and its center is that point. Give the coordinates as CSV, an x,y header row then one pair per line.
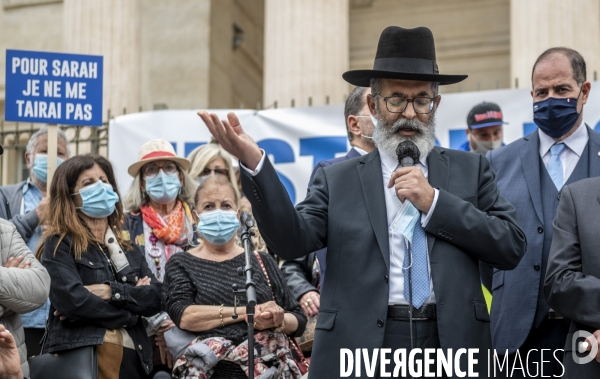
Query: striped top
x,y
190,280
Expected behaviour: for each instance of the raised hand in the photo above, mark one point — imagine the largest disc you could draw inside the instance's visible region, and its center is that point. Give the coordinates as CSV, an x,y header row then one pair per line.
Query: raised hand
x,y
231,137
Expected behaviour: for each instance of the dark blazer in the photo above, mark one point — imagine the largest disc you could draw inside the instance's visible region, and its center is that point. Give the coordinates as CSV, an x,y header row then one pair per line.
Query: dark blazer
x,y
345,210
516,292
88,316
11,197
298,272
352,153
572,281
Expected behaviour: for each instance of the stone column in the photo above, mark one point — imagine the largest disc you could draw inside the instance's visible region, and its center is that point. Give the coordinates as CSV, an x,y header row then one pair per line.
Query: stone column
x,y
110,28
537,25
306,52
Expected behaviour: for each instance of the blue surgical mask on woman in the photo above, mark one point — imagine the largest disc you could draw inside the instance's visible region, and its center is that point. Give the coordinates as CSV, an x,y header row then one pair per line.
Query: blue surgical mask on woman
x,y
163,188
218,226
40,166
554,116
98,200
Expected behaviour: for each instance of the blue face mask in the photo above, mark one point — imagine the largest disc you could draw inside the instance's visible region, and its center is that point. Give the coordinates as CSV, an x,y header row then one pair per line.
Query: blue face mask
x,y
40,166
163,188
98,200
555,117
218,226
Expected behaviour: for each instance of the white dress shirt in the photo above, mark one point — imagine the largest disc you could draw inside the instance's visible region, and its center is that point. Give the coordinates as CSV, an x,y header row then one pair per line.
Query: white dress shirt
x,y
569,158
396,242
359,150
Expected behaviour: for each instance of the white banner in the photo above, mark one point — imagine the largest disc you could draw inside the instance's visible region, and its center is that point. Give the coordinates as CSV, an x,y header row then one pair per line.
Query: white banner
x,y
297,138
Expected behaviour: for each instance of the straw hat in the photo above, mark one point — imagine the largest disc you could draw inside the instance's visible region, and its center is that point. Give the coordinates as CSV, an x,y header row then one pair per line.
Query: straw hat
x,y
157,150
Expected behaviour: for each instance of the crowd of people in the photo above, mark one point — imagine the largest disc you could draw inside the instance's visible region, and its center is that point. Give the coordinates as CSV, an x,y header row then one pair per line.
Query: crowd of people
x,y
108,280
497,242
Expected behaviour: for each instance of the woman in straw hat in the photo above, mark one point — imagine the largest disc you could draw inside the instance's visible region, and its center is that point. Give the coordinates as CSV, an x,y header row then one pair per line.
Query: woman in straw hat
x,y
159,218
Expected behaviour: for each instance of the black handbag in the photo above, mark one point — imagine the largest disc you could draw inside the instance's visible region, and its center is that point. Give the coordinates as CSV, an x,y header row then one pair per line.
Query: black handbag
x,y
79,363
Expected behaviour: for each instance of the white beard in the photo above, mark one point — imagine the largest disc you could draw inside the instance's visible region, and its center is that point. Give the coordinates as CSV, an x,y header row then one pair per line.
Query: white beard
x,y
386,136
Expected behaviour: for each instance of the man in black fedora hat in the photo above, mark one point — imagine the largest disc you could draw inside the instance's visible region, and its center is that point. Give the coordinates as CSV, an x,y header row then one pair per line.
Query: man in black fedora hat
x,y
362,209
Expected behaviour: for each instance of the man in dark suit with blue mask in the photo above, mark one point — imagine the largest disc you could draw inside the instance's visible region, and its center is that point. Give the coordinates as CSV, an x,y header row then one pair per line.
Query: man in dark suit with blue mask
x,y
298,273
531,174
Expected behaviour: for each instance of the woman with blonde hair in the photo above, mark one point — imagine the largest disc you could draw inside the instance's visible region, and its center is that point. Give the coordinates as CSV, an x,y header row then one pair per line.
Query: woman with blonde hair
x,y
198,298
159,218
212,159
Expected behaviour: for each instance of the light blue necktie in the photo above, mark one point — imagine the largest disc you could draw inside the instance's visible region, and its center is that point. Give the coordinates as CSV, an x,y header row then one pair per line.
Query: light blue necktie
x,y
555,168
419,268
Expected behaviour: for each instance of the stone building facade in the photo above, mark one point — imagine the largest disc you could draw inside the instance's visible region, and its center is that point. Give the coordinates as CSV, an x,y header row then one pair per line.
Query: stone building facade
x,y
202,54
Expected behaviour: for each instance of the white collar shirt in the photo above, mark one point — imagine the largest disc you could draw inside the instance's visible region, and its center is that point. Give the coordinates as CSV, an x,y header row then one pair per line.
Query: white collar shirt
x,y
569,158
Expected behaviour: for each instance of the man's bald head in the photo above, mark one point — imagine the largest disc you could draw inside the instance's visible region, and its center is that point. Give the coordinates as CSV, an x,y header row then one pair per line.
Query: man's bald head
x,y
577,62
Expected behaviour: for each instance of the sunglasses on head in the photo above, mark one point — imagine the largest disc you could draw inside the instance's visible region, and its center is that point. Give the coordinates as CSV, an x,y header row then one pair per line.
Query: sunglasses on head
x,y
217,171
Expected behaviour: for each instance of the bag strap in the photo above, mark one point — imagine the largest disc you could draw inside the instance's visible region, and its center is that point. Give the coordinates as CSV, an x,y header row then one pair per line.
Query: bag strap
x,y
293,343
264,270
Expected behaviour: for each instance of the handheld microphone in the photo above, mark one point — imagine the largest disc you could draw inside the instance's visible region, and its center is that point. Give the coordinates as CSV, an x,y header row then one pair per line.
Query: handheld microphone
x,y
246,220
408,153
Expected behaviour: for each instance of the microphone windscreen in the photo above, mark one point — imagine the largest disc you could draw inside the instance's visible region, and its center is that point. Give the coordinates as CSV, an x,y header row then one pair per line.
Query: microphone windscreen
x,y
407,149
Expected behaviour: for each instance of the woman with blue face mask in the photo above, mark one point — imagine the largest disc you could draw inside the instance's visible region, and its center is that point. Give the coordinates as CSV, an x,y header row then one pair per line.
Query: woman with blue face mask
x,y
101,285
198,296
159,219
212,159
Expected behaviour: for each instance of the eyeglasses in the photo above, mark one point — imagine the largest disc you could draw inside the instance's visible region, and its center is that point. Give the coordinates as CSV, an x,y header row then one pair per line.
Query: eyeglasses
x,y
397,104
152,169
218,171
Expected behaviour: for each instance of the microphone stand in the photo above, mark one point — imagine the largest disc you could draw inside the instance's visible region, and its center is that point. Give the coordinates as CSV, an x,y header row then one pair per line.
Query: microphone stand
x,y
410,293
250,289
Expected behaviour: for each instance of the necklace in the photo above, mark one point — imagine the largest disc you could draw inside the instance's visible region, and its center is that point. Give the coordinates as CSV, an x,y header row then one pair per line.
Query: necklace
x,y
155,252
113,269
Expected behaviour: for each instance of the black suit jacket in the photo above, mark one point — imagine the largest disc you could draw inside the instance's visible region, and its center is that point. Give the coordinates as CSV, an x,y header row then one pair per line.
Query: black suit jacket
x,y
345,210
298,272
572,284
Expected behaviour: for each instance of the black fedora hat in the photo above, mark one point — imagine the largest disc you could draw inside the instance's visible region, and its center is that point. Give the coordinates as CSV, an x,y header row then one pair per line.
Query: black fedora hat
x,y
403,54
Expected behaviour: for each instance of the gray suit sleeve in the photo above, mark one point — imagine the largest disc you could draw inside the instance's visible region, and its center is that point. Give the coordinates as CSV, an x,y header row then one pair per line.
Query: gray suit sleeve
x,y
12,197
568,290
297,274
290,233
489,232
26,224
